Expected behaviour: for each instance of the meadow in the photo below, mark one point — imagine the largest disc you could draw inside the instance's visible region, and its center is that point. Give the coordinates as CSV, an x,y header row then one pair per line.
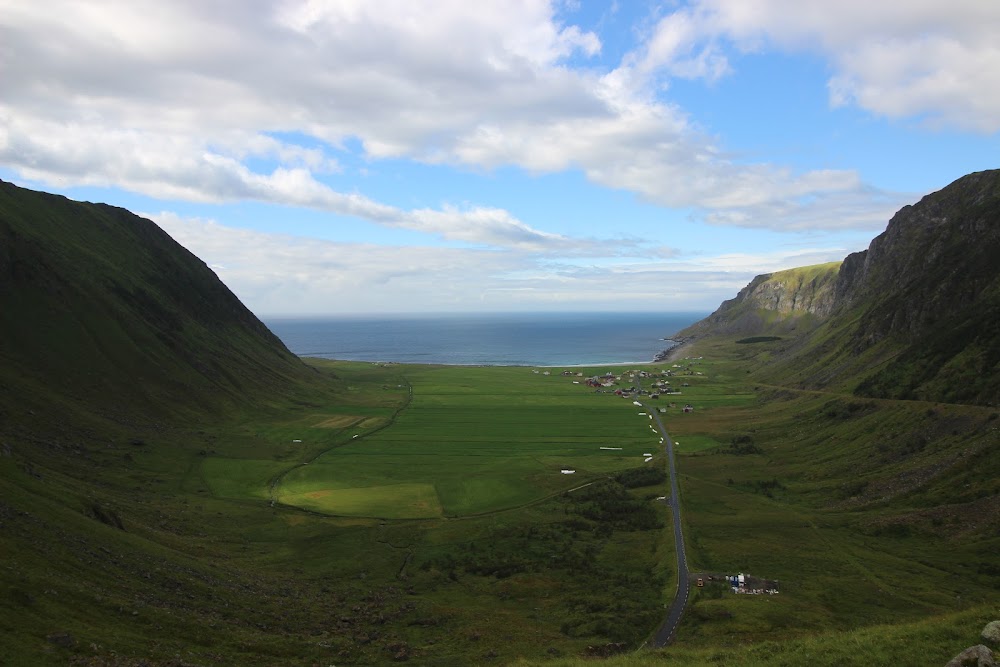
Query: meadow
x,y
449,479
420,513
470,441
460,467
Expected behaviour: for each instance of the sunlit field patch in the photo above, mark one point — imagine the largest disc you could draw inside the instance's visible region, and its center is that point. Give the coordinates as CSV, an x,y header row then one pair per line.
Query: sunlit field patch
x,y
340,421
391,501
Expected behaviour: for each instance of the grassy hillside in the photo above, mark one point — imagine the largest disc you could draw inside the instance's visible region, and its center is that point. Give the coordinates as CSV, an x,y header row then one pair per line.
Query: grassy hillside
x,y
105,307
177,489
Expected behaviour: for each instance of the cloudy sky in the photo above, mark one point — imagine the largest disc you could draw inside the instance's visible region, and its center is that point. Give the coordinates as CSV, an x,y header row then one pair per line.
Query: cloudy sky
x,y
350,156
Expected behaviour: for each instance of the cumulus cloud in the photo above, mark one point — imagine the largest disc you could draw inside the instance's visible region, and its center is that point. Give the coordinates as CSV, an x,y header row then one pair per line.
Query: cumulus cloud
x,y
939,61
179,169
184,99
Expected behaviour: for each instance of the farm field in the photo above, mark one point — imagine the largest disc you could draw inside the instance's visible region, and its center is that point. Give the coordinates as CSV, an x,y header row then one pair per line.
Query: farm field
x,y
469,441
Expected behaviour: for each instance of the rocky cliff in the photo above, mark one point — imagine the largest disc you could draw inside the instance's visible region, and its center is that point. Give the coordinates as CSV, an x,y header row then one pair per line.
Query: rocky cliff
x,y
916,315
936,259
782,302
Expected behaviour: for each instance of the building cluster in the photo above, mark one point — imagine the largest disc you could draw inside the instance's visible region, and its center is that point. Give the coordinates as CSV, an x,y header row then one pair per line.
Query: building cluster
x,y
742,586
659,384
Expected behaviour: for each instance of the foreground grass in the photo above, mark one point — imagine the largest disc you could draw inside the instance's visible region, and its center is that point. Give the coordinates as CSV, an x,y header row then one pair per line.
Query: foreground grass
x,y
932,641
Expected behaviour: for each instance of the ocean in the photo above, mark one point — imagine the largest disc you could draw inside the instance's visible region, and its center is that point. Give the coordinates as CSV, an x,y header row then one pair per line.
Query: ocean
x,y
507,339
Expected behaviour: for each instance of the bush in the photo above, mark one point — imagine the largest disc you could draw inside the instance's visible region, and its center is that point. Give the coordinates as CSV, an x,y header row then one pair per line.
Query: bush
x,y
757,339
741,445
638,477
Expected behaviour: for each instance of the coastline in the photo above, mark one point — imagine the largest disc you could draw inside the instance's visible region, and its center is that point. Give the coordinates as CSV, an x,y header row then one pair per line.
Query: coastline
x,y
666,355
673,353
597,364
525,339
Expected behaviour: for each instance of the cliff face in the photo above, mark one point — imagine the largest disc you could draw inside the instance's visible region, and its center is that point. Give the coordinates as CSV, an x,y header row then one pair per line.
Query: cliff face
x,y
916,315
796,291
935,260
779,302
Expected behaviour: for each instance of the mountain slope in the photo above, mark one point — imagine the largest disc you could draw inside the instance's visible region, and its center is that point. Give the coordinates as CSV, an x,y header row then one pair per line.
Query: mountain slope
x,y
125,363
106,307
931,284
916,315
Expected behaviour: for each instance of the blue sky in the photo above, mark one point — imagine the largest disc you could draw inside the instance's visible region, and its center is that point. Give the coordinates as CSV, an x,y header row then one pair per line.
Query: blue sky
x,y
376,156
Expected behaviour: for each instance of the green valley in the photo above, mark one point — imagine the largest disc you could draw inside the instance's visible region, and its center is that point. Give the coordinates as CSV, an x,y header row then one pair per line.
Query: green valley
x,y
178,489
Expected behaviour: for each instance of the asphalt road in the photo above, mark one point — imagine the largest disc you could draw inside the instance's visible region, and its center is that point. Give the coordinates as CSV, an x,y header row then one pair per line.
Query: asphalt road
x,y
665,633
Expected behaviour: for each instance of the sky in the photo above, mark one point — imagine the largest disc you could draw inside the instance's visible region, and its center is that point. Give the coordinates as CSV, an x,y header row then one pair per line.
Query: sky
x,y
398,156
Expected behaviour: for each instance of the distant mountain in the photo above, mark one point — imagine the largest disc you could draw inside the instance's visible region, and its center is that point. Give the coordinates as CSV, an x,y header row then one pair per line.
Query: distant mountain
x,y
101,307
916,315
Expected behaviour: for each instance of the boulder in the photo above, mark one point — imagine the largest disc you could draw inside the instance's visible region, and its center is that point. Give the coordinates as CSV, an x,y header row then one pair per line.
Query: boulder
x,y
974,656
991,633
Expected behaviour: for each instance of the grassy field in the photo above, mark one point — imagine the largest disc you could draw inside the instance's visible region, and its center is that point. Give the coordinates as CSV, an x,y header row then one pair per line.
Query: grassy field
x,y
406,512
420,513
471,441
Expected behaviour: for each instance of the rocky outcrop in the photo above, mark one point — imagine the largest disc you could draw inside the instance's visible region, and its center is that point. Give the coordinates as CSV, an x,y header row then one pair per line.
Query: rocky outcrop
x,y
991,633
915,316
934,259
974,656
778,302
797,291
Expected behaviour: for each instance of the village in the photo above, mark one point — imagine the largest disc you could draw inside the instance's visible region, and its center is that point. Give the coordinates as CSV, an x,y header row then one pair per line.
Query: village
x,y
740,584
611,382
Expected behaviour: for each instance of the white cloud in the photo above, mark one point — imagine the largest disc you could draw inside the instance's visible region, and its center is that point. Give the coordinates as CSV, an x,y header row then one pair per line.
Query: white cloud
x,y
178,100
153,165
938,61
280,274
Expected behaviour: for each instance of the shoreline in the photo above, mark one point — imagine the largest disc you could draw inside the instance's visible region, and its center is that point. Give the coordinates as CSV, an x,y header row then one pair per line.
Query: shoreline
x,y
485,365
574,339
672,353
667,355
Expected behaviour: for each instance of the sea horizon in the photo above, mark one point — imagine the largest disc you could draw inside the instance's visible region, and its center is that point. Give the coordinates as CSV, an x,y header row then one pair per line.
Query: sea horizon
x,y
572,339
